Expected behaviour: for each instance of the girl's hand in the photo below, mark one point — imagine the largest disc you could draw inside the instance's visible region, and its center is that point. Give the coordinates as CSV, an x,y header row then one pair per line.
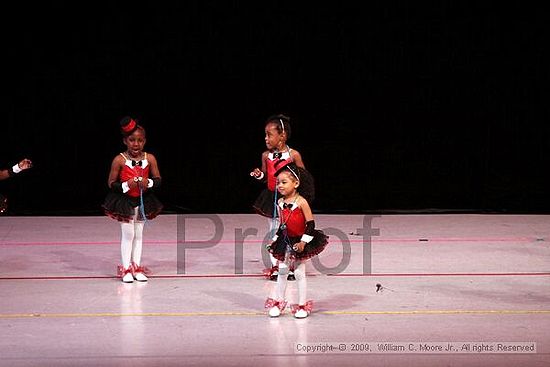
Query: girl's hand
x,y
142,184
132,183
299,247
256,173
25,164
139,182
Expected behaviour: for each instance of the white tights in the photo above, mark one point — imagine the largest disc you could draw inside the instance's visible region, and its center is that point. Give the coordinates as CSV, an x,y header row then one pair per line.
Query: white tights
x,y
300,274
131,242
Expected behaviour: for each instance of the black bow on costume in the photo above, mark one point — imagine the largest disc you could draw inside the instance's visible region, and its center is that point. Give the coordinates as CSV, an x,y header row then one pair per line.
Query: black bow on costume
x,y
287,205
136,163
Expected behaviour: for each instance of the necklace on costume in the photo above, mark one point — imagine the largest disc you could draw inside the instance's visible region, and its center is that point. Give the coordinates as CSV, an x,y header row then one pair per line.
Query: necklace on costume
x,y
140,156
135,161
290,206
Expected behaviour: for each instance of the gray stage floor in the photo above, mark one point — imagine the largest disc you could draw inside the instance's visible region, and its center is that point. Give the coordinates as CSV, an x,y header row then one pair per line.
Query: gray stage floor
x,y
480,283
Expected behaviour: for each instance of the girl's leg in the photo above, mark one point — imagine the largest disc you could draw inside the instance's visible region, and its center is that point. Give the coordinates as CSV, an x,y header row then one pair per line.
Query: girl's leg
x,y
127,237
274,272
273,226
274,261
301,280
279,291
137,244
137,249
280,288
304,308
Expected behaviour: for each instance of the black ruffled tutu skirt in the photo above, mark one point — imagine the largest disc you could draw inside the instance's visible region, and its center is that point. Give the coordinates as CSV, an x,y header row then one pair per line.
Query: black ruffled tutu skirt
x,y
121,207
264,204
3,204
284,244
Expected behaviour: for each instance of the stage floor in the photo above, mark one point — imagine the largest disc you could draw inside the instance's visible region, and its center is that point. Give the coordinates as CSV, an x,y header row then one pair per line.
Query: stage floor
x,y
389,290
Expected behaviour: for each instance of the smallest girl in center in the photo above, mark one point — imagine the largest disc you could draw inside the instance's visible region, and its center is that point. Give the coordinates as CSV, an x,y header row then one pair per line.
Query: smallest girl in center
x,y
296,239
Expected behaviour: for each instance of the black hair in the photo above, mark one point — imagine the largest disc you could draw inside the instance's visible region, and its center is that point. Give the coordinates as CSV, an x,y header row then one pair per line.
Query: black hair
x,y
307,184
282,123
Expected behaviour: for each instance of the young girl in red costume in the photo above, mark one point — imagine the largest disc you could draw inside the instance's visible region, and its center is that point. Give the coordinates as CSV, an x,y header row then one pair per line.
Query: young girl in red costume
x,y
7,173
133,177
278,153
296,240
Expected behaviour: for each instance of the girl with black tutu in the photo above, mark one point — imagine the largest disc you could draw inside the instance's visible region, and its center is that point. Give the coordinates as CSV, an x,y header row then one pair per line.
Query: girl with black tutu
x,y
133,177
296,240
7,173
278,153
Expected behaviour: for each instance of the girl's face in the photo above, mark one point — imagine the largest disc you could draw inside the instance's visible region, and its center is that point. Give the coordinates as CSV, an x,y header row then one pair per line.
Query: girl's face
x,y
135,143
287,184
273,139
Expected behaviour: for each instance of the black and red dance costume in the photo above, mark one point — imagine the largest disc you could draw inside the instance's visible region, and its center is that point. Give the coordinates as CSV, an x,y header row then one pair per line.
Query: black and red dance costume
x,y
291,229
121,206
264,204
